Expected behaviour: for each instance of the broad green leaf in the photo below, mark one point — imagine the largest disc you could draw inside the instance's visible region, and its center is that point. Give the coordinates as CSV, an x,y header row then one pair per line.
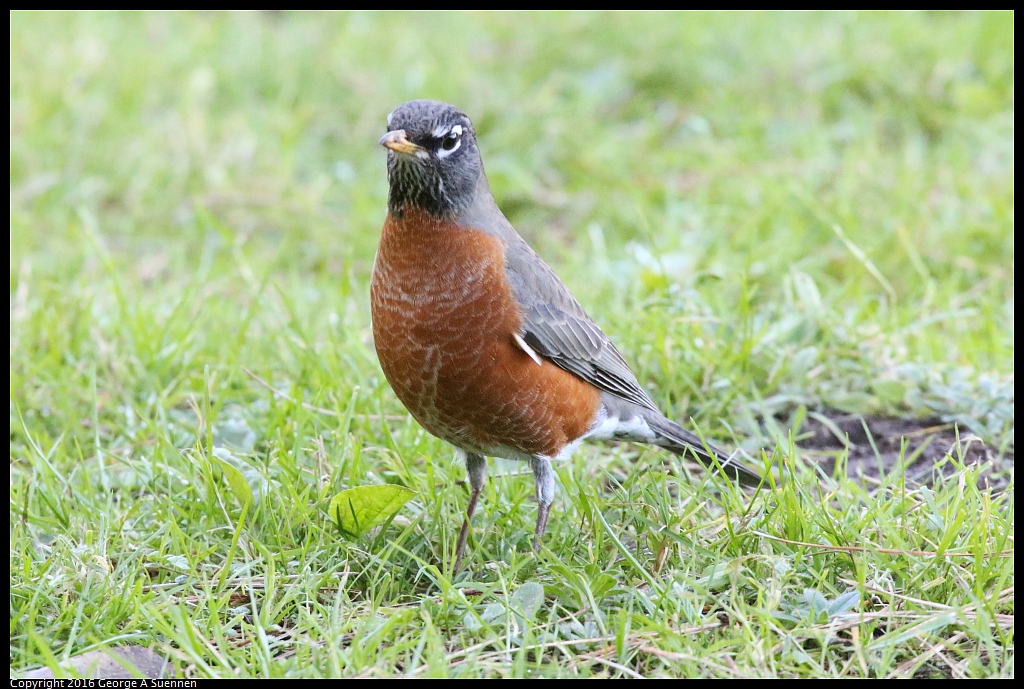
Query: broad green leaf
x,y
234,433
890,390
817,604
844,603
178,562
719,574
236,480
527,599
357,510
601,585
919,630
491,612
522,605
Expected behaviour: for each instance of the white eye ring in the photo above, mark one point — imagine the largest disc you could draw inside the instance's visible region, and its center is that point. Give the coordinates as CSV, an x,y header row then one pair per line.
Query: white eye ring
x,y
444,153
455,131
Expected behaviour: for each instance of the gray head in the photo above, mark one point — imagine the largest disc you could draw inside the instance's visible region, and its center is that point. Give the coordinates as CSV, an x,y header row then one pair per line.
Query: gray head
x,y
433,162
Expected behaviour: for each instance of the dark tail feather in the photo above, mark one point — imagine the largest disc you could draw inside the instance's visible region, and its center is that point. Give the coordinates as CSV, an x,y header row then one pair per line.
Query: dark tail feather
x,y
680,441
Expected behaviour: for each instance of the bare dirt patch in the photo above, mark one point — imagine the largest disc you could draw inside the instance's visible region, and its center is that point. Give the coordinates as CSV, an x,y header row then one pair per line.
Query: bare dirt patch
x,y
875,444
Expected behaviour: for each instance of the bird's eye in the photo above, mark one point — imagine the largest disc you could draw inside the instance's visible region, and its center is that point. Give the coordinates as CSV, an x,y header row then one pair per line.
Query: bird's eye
x,y
450,141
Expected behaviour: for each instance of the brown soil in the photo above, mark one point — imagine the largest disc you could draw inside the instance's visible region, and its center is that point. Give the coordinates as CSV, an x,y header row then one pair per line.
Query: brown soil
x,y
931,439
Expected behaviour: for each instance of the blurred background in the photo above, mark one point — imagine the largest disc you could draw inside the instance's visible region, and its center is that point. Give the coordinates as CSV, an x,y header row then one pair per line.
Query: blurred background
x,y
788,223
819,206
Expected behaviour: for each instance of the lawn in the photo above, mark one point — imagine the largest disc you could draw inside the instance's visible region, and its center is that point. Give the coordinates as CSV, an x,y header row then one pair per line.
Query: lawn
x,y
798,228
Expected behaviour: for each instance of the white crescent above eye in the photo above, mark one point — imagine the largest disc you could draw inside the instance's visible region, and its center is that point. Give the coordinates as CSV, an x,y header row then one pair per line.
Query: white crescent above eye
x,y
443,130
445,135
390,115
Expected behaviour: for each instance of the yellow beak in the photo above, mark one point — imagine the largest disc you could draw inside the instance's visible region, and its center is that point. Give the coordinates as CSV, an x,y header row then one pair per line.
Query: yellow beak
x,y
396,141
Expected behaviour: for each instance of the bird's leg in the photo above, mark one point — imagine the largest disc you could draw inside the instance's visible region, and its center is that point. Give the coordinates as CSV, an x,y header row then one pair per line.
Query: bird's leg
x,y
544,476
476,470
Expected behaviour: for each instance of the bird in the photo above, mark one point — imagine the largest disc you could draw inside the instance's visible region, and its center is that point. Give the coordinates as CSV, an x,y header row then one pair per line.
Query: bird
x,y
479,338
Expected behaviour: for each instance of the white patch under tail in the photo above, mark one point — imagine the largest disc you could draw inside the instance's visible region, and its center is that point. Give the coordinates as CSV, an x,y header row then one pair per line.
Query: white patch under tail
x,y
608,427
605,427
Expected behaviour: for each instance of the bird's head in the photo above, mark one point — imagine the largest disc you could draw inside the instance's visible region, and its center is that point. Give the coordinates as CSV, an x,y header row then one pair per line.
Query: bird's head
x,y
433,161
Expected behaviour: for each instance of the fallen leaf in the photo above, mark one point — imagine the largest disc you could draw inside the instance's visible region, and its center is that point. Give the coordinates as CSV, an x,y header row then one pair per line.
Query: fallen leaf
x,y
121,662
357,510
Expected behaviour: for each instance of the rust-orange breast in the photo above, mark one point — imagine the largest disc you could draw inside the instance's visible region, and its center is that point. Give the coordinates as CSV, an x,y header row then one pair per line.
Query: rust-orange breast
x,y
443,320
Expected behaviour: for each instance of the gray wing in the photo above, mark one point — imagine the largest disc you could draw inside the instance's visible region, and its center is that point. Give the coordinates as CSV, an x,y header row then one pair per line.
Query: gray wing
x,y
558,328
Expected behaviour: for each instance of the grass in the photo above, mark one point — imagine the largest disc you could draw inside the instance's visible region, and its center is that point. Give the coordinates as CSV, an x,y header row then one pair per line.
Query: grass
x,y
773,215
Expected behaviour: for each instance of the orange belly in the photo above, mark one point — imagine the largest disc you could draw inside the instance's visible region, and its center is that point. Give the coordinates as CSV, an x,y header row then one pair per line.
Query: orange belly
x,y
443,320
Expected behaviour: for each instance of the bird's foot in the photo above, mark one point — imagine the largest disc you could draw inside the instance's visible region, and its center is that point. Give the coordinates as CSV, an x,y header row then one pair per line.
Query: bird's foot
x,y
543,511
460,546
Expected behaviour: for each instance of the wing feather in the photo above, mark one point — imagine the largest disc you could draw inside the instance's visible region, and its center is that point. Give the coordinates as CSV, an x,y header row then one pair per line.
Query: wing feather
x,y
558,328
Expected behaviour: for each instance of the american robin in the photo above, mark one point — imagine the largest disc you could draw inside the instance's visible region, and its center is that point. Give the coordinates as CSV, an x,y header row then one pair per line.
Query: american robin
x,y
479,338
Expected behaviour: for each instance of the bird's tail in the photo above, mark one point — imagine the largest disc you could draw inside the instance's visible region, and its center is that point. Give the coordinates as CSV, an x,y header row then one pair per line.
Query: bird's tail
x,y
680,441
